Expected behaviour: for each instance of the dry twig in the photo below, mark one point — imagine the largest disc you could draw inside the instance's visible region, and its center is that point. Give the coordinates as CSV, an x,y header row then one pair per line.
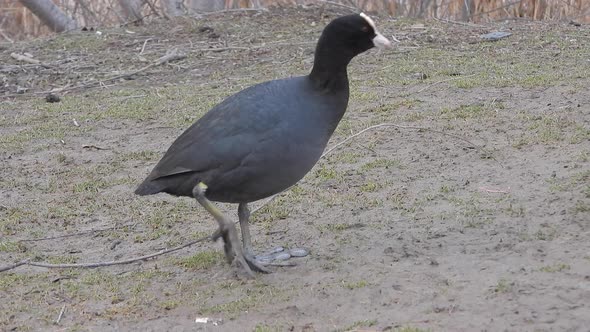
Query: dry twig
x,y
337,4
233,10
101,264
472,25
171,55
24,58
61,313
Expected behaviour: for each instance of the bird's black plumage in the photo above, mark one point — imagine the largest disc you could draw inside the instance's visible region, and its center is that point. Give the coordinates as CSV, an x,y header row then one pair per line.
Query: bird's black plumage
x,y
265,138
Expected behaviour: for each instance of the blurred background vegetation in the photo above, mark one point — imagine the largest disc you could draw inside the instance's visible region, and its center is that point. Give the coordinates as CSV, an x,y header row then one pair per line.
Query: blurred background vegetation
x,y
17,20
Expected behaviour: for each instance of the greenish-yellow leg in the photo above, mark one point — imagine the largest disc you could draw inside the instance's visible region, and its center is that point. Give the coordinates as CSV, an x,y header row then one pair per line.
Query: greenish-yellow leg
x,y
227,229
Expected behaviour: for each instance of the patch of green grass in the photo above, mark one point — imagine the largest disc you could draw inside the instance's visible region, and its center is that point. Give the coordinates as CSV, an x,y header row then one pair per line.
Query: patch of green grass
x,y
267,328
10,281
370,187
278,209
444,189
386,108
471,111
91,186
410,329
380,163
471,210
326,173
555,268
551,129
201,261
61,158
13,220
546,234
65,259
516,211
582,206
357,325
169,304
49,128
336,227
73,42
354,284
583,156
140,155
258,295
402,202
10,246
570,183
348,157
503,286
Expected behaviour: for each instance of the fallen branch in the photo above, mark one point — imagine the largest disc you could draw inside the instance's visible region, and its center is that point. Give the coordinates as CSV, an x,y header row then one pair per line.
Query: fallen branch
x,y
460,23
337,4
24,58
14,266
171,55
61,313
102,264
233,11
221,49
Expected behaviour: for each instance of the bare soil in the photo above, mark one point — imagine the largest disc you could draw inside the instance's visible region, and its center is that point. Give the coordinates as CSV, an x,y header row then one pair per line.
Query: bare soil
x,y
473,215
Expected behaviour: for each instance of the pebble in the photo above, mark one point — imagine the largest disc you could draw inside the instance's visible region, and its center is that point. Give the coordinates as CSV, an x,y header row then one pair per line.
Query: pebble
x,y
496,35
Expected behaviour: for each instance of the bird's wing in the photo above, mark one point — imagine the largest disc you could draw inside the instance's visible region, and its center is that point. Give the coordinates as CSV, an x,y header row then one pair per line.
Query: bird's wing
x,y
223,137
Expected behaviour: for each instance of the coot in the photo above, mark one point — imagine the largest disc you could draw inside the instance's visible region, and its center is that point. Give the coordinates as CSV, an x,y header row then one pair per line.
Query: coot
x,y
265,138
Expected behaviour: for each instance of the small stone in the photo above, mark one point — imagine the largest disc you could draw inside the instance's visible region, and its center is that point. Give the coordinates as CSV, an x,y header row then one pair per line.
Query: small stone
x,y
51,98
496,35
420,76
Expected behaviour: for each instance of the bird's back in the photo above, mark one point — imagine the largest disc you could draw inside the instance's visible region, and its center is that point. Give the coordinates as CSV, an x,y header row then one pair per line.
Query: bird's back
x,y
253,144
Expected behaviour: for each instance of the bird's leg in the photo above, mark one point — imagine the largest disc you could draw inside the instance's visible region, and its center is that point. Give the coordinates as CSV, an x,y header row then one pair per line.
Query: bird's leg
x,y
227,229
244,217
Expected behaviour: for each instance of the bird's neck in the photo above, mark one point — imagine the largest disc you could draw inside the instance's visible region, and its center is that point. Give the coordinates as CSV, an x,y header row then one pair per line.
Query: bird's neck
x,y
329,67
330,81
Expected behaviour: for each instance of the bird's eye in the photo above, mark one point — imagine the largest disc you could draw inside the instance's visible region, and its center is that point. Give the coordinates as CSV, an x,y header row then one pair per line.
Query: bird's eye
x,y
365,29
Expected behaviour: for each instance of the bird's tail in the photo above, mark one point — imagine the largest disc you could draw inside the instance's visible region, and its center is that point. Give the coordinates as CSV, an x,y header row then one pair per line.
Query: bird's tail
x,y
148,187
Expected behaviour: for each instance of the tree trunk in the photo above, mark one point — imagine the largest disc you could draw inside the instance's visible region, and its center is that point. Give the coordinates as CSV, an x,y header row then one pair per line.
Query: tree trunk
x,y
132,9
50,15
173,7
201,6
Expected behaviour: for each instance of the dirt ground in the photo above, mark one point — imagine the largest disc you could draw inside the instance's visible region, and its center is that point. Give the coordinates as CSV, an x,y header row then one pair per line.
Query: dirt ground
x,y
473,214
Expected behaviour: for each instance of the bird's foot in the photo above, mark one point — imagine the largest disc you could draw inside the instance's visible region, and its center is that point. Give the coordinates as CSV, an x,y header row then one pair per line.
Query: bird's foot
x,y
254,264
279,256
233,250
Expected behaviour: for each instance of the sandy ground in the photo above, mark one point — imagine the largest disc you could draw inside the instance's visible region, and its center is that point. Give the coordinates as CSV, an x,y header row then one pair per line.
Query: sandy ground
x,y
470,212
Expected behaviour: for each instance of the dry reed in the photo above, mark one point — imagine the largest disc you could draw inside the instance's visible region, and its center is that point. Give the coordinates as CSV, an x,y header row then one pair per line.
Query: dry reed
x,y
16,22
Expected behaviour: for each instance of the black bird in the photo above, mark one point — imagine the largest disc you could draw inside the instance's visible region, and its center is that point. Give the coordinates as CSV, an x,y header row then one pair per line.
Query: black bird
x,y
265,138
